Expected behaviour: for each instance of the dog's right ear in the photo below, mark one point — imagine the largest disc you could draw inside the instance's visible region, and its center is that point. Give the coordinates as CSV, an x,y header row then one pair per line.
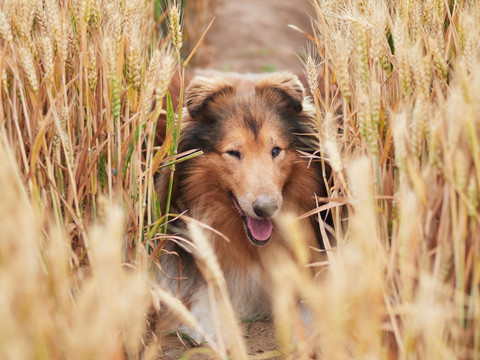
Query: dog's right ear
x,y
283,89
202,91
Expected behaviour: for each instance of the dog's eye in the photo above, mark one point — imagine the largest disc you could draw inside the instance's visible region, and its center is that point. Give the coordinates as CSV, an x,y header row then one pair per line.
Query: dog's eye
x,y
276,151
234,153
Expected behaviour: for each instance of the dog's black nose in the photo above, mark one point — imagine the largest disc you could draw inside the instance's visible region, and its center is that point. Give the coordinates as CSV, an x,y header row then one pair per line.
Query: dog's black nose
x,y
265,206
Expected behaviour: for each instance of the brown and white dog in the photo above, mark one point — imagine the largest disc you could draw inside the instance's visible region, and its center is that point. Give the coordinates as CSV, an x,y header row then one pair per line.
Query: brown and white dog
x,y
250,171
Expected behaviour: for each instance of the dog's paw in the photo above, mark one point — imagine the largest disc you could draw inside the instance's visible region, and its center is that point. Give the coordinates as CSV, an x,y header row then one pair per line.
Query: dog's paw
x,y
196,337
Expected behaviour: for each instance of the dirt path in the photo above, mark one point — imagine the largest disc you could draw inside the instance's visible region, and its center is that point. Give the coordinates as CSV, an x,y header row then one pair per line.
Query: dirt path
x,y
253,35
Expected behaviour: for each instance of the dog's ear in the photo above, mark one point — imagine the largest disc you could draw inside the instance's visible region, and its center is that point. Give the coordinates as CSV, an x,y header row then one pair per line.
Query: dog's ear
x,y
203,91
284,89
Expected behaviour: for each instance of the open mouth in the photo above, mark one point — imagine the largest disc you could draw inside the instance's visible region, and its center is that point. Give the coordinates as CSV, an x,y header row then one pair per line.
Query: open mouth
x,y
259,230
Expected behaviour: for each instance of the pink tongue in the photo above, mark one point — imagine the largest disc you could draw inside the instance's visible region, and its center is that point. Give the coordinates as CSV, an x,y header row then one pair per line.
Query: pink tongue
x,y
261,229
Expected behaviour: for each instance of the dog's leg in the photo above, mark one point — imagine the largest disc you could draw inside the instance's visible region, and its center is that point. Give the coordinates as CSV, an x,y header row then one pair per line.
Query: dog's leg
x,y
201,310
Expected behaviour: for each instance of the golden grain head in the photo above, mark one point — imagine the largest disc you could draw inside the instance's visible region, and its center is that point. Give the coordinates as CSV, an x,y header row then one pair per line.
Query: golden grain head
x,y
310,64
165,73
175,25
29,67
361,48
134,66
47,57
92,71
5,28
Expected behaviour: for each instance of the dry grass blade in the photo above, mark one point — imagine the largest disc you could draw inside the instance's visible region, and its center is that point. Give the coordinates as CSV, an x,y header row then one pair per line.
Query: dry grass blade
x,y
195,49
227,330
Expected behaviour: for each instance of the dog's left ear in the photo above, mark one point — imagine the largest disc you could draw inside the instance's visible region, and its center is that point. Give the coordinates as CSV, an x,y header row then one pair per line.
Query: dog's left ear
x,y
203,91
283,89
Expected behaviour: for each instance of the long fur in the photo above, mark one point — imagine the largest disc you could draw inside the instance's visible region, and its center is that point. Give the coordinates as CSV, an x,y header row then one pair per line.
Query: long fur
x,y
275,114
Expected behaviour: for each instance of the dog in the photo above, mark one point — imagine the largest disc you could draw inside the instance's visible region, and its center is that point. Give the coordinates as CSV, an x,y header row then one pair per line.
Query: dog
x,y
254,134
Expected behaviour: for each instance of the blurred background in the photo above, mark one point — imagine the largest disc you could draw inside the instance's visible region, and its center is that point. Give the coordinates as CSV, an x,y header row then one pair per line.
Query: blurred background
x,y
246,36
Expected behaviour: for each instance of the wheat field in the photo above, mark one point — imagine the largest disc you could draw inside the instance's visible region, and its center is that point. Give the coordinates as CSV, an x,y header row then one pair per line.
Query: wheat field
x,y
396,85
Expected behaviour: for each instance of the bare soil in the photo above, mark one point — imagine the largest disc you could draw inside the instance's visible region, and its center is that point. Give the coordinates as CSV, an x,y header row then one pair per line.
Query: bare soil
x,y
259,339
248,36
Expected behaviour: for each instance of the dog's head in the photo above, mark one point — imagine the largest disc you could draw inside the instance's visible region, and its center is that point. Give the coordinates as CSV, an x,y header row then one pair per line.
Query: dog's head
x,y
251,141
